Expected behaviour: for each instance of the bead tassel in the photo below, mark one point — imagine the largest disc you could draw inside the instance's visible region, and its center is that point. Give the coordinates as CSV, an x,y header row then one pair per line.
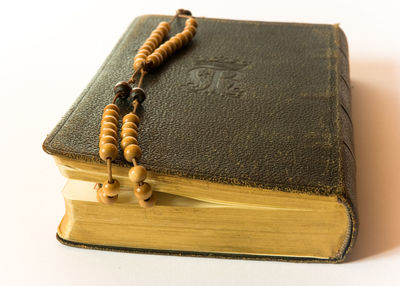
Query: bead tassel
x,y
150,55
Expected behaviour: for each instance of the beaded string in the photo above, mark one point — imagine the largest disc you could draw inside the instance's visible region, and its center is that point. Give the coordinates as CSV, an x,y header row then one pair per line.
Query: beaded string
x,y
150,55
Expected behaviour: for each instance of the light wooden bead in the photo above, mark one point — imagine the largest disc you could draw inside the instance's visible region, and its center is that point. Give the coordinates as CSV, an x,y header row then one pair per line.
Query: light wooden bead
x,y
165,26
177,41
157,35
108,139
111,112
109,125
109,118
111,189
132,151
149,203
108,150
128,132
112,106
192,29
128,141
143,192
131,117
138,64
163,51
155,59
137,174
102,197
130,125
192,22
153,41
108,132
184,38
168,48
147,48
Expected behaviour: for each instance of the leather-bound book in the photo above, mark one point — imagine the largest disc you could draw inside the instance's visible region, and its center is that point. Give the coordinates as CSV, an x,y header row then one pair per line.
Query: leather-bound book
x,y
247,138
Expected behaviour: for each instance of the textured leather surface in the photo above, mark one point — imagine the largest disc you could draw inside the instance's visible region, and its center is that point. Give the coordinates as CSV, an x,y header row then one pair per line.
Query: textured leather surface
x,y
249,103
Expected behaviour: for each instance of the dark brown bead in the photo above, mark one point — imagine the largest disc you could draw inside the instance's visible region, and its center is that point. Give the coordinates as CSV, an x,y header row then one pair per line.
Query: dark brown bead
x,y
123,88
184,12
138,94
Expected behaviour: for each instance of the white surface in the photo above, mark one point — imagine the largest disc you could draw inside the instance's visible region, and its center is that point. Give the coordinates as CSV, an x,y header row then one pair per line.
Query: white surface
x,y
48,53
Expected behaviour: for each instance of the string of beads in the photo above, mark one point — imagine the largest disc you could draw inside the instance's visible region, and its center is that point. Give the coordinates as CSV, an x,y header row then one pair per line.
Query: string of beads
x,y
150,55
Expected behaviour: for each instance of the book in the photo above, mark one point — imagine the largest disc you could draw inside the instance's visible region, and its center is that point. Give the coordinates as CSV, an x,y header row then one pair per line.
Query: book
x,y
247,137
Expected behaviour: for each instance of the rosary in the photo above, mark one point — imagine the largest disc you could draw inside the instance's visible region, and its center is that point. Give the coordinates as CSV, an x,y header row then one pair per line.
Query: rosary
x,y
150,55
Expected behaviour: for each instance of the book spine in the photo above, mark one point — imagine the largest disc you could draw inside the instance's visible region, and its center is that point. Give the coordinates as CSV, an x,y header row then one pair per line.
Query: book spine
x,y
347,153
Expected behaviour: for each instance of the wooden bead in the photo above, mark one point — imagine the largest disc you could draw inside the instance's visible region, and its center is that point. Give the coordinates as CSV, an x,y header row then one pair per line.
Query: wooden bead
x,y
137,174
108,139
132,151
162,51
138,64
128,132
123,88
131,117
149,203
139,94
109,125
192,29
109,118
112,106
184,38
143,191
177,41
158,35
108,132
171,45
111,189
141,55
102,197
192,22
165,26
168,48
128,141
155,59
108,150
129,125
153,41
110,112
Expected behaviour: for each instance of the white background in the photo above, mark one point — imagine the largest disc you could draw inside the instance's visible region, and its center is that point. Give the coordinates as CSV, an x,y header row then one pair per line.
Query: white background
x,y
48,53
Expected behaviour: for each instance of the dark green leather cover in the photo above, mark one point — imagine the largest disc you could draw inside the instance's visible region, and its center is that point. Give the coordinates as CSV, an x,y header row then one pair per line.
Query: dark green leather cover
x,y
247,103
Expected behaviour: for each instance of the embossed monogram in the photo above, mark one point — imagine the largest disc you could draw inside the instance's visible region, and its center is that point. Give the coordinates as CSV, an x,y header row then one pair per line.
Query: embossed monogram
x,y
217,76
